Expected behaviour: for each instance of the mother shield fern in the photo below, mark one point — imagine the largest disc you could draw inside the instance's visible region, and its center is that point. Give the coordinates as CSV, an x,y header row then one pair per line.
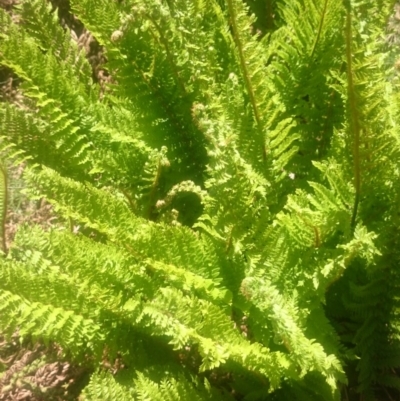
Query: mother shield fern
x,y
243,192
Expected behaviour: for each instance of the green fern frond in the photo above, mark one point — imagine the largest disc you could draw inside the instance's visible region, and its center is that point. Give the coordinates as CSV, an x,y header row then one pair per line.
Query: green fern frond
x,y
49,323
308,354
141,54
51,106
3,205
143,386
104,387
227,203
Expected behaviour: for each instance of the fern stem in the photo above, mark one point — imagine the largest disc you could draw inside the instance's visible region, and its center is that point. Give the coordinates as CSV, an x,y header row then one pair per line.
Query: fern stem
x,y
4,190
245,71
153,191
128,197
321,24
354,118
175,73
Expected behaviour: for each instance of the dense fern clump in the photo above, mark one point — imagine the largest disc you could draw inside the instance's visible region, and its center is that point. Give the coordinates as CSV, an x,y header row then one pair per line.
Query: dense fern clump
x,y
228,202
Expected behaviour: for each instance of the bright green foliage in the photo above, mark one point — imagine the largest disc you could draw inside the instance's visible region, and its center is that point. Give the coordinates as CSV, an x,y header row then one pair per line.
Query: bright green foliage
x,y
3,205
230,202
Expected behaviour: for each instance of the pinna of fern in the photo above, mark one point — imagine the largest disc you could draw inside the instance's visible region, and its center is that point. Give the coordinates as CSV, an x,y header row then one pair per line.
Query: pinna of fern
x,y
282,162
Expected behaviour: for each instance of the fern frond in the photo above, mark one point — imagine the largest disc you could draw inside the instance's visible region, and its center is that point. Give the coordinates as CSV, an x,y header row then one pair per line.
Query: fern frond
x,y
179,388
308,354
53,107
41,23
299,70
174,315
157,245
227,203
143,386
50,323
104,387
143,59
249,51
3,205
